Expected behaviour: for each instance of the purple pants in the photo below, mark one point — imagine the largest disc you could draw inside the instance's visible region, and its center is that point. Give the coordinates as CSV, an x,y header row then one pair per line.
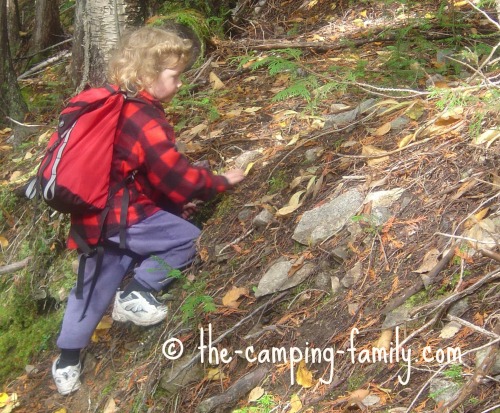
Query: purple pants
x,y
161,239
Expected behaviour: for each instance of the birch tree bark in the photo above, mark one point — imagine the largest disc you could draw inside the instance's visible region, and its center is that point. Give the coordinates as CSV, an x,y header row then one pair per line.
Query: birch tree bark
x,y
98,26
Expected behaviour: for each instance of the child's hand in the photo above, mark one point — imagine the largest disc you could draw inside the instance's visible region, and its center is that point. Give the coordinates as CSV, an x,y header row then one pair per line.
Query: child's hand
x,y
188,210
234,176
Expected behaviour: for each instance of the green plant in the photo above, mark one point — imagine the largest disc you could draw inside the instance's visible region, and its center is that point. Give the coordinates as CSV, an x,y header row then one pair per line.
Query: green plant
x,y
278,182
455,372
263,405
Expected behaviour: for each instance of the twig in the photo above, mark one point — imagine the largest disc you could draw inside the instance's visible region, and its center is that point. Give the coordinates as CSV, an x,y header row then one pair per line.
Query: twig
x,y
24,124
472,326
490,254
6,269
466,238
235,241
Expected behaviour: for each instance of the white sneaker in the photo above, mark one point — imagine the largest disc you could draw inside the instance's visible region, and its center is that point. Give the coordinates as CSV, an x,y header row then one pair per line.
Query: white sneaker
x,y
67,379
140,307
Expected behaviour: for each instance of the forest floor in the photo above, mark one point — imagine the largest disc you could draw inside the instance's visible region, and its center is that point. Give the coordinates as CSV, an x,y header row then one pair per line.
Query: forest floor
x,y
415,270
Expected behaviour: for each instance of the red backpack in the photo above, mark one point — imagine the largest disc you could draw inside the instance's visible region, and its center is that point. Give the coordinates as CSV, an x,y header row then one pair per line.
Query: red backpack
x,y
74,173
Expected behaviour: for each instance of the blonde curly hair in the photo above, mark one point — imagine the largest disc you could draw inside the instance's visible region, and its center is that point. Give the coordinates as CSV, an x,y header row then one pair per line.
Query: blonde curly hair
x,y
143,54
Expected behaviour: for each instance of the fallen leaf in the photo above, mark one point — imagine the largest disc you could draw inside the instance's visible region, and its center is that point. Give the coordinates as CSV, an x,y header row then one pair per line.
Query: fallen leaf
x,y
429,262
15,175
384,340
105,323
5,131
406,140
256,394
4,398
61,410
231,298
385,128
295,404
369,150
248,168
214,374
215,81
5,148
4,243
489,136
292,205
304,377
110,406
45,136
357,396
233,113
253,109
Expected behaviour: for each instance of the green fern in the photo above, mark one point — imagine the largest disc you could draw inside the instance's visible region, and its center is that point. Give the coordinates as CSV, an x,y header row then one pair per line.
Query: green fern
x,y
301,88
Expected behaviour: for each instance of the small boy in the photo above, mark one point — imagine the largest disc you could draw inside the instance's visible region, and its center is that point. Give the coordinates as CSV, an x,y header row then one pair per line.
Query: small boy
x,y
147,65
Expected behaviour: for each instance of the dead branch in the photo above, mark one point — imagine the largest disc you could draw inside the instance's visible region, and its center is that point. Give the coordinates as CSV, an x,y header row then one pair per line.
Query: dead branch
x,y
238,390
44,64
472,326
6,269
419,284
480,372
490,254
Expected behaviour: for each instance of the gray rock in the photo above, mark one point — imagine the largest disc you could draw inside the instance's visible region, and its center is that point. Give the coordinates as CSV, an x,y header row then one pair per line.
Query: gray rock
x,y
396,317
399,123
277,279
459,308
335,284
340,254
245,214
352,276
322,281
177,376
442,390
313,154
481,354
341,119
263,219
318,224
366,105
245,158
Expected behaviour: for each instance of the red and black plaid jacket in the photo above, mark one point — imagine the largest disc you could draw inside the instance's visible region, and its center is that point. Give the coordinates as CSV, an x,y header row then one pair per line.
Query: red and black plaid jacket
x,y
145,142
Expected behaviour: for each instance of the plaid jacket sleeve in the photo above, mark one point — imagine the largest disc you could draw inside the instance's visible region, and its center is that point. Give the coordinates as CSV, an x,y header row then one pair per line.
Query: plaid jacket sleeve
x,y
169,172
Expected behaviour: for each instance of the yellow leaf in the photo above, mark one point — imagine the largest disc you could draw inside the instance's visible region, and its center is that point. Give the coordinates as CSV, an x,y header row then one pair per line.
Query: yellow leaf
x,y
255,394
15,175
294,139
215,374
489,136
363,13
4,399
384,340
292,205
406,140
61,410
304,377
295,404
253,109
233,113
44,136
5,148
383,129
5,131
249,166
215,81
110,406
105,323
4,243
231,298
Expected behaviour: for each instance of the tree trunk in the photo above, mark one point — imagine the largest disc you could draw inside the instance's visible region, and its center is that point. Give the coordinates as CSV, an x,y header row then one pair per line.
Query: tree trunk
x,y
48,29
98,26
11,102
13,24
